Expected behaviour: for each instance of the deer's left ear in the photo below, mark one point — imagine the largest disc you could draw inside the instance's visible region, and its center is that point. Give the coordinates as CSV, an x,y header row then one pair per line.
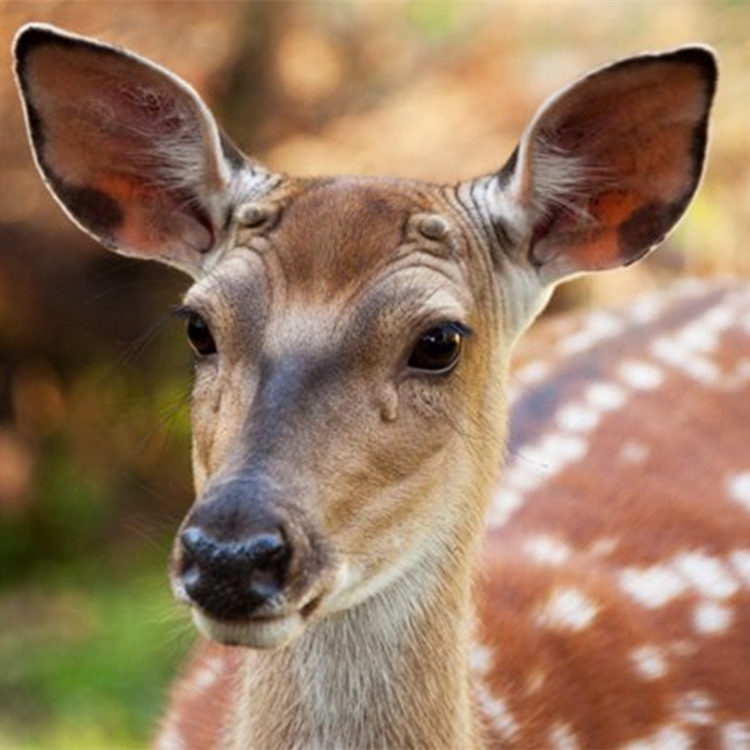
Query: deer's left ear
x,y
608,165
129,150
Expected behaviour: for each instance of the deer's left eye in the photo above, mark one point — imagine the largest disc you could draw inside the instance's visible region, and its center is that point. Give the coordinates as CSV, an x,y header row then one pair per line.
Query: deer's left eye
x,y
200,336
438,349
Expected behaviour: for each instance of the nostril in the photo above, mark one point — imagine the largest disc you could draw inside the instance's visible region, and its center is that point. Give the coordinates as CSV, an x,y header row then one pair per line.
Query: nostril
x,y
270,554
191,579
192,539
231,578
266,550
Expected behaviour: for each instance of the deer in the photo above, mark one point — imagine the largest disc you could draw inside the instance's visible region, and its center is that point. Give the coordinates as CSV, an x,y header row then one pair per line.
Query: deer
x,y
352,339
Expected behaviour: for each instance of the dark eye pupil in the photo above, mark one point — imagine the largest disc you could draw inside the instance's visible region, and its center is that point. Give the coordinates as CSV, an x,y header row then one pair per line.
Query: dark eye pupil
x,y
437,348
200,336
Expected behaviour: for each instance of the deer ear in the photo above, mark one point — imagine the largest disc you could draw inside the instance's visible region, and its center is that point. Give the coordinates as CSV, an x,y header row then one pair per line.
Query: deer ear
x,y
608,165
128,149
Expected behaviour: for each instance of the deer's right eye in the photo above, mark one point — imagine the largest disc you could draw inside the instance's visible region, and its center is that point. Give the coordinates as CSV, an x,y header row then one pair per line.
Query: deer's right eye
x,y
200,335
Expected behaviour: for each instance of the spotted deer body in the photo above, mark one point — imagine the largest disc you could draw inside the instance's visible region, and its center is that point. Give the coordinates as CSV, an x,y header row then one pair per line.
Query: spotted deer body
x,y
619,536
352,340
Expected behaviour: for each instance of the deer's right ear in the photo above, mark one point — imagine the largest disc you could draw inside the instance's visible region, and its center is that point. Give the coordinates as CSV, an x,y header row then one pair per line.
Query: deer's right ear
x,y
607,166
128,149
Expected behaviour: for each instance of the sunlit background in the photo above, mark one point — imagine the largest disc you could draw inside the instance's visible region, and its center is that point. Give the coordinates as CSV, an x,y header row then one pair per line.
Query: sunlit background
x,y
94,373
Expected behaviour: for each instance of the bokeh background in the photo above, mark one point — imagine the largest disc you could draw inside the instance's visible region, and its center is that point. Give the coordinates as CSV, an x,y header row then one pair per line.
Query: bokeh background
x,y
94,372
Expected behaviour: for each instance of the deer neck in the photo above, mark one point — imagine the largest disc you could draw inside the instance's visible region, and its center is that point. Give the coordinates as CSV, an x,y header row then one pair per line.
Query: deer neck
x,y
390,673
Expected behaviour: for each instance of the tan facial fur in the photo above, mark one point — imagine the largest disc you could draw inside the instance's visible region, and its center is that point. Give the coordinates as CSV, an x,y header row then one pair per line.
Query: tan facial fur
x,y
314,318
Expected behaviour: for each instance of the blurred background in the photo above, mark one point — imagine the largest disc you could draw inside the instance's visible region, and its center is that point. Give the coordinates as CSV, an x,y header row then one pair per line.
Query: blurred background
x,y
94,372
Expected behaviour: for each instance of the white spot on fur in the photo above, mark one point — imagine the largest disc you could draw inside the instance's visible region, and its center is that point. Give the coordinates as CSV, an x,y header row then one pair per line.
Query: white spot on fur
x,y
717,319
562,737
497,711
706,574
640,375
504,504
689,287
480,659
577,418
666,738
646,308
674,352
554,452
598,326
633,452
206,676
546,549
532,372
740,560
603,547
170,739
738,487
711,618
698,336
649,662
654,586
536,464
692,349
695,708
567,609
735,736
524,475
605,396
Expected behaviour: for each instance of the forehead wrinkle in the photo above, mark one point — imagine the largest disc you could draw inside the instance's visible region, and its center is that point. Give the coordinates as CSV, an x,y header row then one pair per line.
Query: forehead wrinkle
x,y
338,232
429,277
408,291
232,288
334,326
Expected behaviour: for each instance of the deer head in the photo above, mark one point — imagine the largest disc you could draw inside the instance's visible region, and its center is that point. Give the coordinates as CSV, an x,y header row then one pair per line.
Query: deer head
x,y
351,335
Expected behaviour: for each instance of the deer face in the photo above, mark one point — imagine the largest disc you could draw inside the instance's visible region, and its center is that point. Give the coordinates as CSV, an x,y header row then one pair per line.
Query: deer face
x,y
351,335
332,411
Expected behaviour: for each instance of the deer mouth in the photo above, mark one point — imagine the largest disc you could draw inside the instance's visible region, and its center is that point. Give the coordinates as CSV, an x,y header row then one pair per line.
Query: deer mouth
x,y
261,632
272,625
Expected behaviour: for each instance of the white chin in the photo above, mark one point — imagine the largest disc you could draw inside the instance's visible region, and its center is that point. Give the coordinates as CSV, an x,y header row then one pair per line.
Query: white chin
x,y
270,633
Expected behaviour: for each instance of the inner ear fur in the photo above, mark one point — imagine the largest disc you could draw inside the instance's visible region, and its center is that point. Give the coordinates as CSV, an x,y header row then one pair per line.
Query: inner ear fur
x,y
128,149
608,165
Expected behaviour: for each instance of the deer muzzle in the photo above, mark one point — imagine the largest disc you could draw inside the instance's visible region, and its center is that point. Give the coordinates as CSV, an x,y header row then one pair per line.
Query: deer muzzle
x,y
251,567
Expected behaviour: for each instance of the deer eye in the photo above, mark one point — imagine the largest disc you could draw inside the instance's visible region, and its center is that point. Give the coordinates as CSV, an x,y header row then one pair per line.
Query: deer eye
x,y
200,336
437,350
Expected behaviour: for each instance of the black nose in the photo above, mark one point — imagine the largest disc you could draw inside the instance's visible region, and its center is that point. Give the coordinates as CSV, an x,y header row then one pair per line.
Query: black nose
x,y
231,579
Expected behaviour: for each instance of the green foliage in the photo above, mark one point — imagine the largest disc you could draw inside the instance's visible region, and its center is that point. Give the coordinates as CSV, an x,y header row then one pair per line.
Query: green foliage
x,y
87,658
433,18
90,635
